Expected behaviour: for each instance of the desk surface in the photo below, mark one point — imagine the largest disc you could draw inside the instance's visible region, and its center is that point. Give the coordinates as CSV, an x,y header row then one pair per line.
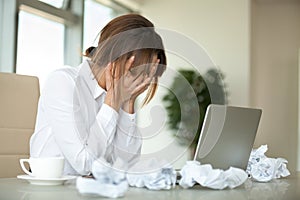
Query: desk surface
x,y
288,189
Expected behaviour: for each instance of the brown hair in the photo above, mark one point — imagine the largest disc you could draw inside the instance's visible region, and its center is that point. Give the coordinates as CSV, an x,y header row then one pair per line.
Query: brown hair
x,y
128,35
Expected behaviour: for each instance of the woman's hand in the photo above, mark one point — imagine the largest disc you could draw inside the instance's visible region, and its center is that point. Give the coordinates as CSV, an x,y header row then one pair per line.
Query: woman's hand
x,y
128,105
122,91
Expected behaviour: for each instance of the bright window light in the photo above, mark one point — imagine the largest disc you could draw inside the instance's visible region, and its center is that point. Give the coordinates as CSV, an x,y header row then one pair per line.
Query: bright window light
x,y
55,3
40,46
95,18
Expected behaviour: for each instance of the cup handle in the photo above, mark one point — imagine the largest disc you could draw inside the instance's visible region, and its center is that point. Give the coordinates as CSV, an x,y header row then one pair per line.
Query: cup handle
x,y
22,161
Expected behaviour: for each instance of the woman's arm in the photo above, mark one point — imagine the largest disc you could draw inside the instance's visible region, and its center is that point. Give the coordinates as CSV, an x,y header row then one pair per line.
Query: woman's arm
x,y
128,139
82,134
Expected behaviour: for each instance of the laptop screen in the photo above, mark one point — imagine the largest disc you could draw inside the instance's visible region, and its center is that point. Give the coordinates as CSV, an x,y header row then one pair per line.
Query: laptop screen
x,y
227,136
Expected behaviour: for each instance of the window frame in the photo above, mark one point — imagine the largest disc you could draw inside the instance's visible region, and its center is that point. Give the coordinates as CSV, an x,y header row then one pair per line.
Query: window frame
x,y
64,16
71,15
8,36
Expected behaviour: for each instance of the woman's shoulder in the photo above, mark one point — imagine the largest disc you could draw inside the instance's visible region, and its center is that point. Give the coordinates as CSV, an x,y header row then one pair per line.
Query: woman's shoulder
x,y
66,71
65,74
62,78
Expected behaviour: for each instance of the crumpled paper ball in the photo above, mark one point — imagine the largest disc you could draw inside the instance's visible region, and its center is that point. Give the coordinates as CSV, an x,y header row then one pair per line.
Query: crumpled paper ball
x,y
264,169
107,181
161,177
193,172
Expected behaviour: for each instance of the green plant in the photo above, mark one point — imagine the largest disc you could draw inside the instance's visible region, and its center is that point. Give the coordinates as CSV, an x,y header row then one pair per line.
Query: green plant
x,y
187,101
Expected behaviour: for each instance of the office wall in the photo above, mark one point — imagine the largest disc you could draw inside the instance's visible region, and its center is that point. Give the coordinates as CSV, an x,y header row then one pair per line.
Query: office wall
x,y
274,75
222,28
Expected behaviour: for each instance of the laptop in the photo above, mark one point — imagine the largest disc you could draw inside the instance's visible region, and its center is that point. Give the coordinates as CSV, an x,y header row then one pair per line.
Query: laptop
x,y
227,136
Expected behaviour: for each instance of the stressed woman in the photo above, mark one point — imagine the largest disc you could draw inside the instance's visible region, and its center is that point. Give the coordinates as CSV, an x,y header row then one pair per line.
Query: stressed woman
x,y
87,112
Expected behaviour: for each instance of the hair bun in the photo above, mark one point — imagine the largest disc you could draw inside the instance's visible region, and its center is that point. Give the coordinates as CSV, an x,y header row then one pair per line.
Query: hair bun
x,y
89,51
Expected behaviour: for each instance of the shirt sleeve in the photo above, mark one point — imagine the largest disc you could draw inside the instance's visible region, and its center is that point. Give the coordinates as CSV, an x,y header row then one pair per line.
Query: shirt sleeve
x,y
81,134
127,141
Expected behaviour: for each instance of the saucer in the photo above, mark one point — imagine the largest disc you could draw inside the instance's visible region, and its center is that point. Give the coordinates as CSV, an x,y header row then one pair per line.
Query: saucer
x,y
46,181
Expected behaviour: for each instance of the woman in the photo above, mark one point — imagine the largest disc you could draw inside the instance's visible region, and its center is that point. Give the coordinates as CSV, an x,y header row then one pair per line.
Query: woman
x,y
87,112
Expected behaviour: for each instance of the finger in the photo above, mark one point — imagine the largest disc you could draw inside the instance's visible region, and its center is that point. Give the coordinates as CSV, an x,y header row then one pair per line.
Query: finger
x,y
154,68
129,63
139,89
132,77
108,70
108,76
138,81
148,80
141,74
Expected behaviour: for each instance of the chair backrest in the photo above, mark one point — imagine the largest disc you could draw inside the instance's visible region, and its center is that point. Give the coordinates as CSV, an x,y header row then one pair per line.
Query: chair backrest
x,y
19,96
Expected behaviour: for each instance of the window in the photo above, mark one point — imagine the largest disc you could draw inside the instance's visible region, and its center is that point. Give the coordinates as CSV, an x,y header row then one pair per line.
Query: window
x,y
51,33
40,46
42,27
56,3
95,18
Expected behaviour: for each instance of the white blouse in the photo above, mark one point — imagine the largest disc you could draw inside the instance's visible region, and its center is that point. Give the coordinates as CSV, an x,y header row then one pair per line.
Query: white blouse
x,y
73,122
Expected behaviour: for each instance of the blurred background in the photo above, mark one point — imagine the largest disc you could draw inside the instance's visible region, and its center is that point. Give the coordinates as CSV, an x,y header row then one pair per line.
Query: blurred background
x,y
255,43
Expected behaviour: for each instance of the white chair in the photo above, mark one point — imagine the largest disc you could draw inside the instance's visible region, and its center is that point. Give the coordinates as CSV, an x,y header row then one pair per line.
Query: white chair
x,y
19,96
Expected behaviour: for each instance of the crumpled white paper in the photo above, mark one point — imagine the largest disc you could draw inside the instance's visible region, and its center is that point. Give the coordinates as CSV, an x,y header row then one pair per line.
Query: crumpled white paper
x,y
193,172
152,174
107,182
264,169
155,175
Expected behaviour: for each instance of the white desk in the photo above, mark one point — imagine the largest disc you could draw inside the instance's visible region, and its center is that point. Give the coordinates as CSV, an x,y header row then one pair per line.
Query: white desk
x,y
287,189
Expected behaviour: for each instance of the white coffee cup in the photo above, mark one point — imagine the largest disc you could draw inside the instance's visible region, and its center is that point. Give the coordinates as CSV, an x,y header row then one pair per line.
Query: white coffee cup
x,y
47,167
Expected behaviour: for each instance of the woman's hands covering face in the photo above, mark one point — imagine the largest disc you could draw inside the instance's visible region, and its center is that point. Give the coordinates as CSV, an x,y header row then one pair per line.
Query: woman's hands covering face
x,y
123,91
